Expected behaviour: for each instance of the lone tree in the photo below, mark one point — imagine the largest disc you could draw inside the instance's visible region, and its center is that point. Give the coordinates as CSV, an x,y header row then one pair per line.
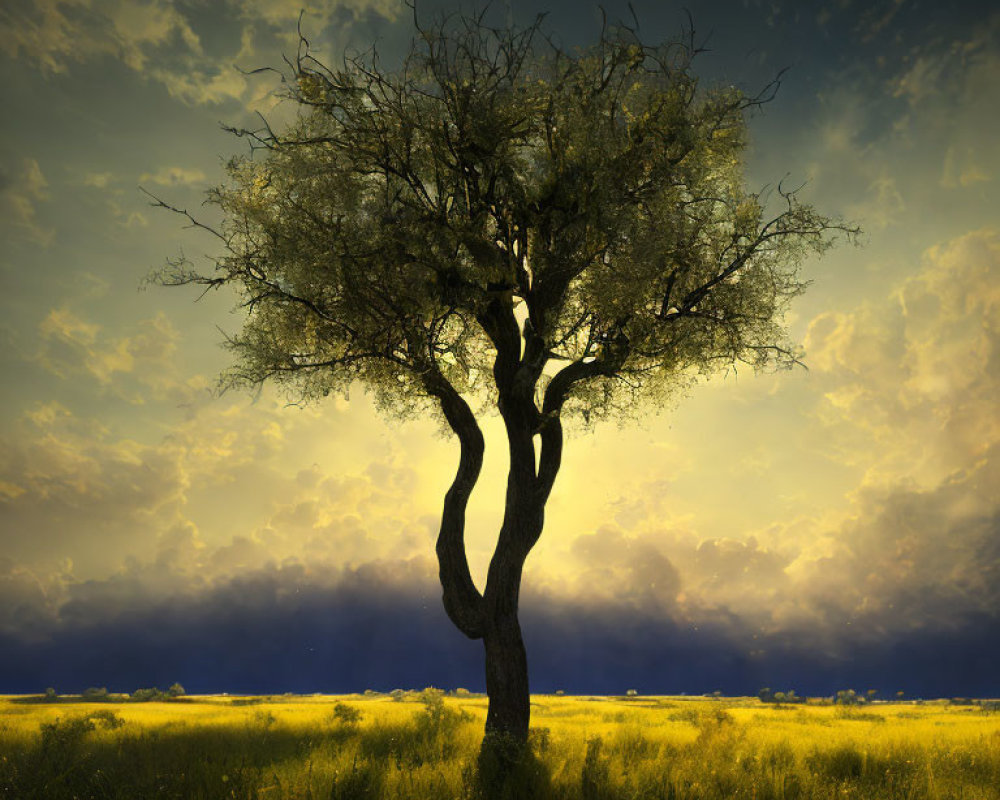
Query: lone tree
x,y
503,225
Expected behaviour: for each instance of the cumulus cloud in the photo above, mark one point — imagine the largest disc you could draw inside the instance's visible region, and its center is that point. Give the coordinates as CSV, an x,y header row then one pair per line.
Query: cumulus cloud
x,y
911,559
916,374
162,40
71,346
212,496
56,33
81,493
173,176
21,191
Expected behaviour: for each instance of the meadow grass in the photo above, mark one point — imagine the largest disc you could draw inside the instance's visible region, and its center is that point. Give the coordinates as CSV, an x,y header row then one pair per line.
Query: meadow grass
x,y
423,745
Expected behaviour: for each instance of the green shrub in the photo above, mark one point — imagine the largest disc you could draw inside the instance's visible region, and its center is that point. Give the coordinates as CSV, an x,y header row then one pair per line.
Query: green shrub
x,y
346,715
106,719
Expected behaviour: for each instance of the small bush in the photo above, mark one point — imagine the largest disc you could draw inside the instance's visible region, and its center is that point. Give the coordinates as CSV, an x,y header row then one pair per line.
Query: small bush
x,y
346,715
106,719
147,695
65,734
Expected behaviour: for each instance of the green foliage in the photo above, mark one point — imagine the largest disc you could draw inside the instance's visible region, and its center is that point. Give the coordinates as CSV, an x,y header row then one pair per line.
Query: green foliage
x,y
847,697
346,714
65,734
107,719
94,694
147,695
768,696
381,234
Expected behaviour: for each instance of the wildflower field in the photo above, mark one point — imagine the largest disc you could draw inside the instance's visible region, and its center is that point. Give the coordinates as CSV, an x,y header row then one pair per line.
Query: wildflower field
x,y
424,745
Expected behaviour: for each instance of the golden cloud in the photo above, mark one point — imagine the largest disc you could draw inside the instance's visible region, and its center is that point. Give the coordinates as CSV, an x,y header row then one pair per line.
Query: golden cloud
x,y
20,194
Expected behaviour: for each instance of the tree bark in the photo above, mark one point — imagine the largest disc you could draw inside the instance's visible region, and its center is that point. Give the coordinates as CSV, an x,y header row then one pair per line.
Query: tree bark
x,y
507,680
506,661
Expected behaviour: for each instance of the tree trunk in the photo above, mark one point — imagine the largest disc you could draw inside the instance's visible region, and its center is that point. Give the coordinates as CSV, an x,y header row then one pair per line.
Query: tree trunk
x,y
506,680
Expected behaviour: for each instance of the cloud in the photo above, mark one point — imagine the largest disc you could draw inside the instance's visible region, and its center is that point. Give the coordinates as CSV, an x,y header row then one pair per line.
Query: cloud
x,y
165,41
916,374
173,176
70,346
20,194
962,169
84,495
56,33
910,559
98,180
213,492
380,625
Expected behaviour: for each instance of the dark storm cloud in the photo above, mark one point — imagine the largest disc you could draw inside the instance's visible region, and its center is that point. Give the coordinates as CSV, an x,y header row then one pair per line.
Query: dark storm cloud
x,y
381,626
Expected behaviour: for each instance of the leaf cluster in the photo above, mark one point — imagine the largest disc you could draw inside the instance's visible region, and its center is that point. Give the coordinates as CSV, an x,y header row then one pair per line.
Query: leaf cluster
x,y
497,197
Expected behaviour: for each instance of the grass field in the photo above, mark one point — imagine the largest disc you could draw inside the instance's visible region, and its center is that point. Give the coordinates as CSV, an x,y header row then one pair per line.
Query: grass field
x,y
423,745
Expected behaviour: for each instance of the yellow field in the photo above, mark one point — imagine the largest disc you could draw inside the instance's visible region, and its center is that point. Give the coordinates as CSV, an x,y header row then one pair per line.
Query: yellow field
x,y
424,746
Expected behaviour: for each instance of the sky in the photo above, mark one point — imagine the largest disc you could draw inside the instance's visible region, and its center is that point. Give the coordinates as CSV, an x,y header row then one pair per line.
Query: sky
x,y
814,529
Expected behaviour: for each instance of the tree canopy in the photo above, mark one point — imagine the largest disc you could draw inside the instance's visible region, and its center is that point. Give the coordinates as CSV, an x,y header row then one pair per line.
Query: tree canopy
x,y
411,226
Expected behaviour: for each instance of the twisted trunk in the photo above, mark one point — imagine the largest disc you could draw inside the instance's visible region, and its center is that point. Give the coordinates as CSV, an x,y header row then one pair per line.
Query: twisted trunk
x,y
506,680
493,615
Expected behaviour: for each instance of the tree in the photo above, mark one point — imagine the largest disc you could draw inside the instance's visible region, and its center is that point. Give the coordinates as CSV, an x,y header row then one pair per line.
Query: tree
x,y
501,225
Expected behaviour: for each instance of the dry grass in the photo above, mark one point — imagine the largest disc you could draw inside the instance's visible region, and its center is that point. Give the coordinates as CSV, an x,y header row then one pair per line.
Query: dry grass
x,y
423,746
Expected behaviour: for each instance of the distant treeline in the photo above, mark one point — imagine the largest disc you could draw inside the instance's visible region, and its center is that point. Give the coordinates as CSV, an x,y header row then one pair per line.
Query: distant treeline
x,y
850,697
844,697
102,695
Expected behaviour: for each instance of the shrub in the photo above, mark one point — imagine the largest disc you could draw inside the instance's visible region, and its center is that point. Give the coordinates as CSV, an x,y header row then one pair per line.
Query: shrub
x,y
94,694
63,735
106,719
176,690
847,697
346,715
